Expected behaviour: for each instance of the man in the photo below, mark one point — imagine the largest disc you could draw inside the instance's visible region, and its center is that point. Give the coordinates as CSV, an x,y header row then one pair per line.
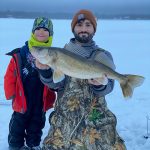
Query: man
x,y
30,98
81,119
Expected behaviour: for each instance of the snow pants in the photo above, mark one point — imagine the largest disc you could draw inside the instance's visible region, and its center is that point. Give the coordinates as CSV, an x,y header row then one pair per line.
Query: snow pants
x,y
26,128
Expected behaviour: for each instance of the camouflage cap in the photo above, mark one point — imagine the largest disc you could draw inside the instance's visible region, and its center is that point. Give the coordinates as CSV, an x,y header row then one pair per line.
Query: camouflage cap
x,y
42,22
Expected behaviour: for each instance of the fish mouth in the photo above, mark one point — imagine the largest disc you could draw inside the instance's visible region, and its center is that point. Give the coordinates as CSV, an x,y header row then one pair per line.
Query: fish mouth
x,y
39,53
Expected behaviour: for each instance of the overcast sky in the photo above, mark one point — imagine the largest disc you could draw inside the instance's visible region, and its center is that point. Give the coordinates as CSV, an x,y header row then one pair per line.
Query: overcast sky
x,y
74,5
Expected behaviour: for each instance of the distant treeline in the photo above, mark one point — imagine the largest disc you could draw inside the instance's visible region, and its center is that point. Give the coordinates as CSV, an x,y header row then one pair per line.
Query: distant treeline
x,y
32,15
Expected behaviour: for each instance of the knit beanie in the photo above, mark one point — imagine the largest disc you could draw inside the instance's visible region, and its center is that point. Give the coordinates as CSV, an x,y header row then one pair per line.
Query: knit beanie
x,y
42,22
81,15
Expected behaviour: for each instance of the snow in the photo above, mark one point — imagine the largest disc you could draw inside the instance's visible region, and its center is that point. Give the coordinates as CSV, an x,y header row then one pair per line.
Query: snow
x,y
127,40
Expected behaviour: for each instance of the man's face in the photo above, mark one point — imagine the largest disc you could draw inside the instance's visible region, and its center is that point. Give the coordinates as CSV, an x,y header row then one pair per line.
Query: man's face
x,y
84,31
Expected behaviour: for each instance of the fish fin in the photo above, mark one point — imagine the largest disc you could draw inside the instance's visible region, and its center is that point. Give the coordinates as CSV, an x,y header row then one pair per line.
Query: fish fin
x,y
58,76
131,82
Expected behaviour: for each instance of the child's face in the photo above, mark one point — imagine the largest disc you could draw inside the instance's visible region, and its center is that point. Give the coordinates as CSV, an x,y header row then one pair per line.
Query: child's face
x,y
41,35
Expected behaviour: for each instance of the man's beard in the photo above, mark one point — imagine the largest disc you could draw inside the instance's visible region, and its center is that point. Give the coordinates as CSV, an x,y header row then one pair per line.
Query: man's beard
x,y
83,38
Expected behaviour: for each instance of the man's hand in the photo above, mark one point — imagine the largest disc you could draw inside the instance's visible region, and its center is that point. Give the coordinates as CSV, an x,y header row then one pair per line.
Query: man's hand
x,y
99,81
41,66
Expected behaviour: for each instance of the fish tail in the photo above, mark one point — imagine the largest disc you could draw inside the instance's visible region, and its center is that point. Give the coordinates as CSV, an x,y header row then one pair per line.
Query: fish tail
x,y
129,83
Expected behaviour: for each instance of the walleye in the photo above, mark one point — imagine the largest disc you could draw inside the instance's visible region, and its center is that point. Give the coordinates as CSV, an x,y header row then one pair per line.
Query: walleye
x,y
64,62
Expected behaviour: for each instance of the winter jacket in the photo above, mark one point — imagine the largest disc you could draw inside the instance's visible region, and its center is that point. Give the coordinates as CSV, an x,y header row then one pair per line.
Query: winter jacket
x,y
13,86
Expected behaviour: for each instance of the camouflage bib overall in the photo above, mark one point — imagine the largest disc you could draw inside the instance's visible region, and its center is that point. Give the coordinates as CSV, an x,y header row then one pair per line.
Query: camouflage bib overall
x,y
82,121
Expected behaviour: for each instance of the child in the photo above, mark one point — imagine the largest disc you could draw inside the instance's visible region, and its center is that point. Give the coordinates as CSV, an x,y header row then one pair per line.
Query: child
x,y
30,98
